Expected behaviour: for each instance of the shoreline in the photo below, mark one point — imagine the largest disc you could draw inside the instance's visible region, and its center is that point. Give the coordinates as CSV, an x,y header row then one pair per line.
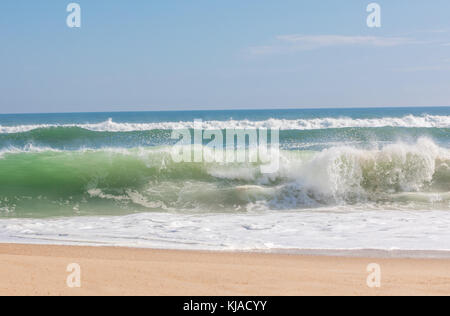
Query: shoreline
x,y
343,253
42,270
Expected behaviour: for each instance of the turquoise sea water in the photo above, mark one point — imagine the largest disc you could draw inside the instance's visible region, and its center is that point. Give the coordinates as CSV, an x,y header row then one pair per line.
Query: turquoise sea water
x,y
100,176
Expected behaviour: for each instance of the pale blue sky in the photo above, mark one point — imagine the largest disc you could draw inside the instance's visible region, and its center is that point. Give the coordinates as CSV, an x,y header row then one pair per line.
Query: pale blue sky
x,y
217,54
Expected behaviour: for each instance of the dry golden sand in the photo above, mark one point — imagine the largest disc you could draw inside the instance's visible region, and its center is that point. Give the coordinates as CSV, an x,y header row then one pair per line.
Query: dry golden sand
x,y
41,270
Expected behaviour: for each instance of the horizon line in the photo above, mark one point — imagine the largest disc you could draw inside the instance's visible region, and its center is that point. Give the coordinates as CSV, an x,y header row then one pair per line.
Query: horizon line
x,y
237,109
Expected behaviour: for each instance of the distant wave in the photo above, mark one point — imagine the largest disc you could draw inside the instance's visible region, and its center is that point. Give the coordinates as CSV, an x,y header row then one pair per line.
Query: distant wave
x,y
410,121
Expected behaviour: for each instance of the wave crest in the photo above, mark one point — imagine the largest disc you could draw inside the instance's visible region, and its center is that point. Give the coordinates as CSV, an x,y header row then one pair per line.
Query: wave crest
x,y
410,121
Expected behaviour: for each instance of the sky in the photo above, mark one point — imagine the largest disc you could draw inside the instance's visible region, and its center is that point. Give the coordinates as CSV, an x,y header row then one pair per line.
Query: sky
x,y
222,54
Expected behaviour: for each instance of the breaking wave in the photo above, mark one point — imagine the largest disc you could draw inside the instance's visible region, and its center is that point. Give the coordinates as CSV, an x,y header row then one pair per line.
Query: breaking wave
x,y
116,181
410,121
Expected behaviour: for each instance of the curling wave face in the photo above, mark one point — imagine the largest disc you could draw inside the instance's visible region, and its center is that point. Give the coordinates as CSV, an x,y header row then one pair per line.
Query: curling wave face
x,y
43,182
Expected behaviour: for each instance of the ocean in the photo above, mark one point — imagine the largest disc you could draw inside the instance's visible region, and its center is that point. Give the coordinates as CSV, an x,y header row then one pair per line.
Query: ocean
x,y
348,179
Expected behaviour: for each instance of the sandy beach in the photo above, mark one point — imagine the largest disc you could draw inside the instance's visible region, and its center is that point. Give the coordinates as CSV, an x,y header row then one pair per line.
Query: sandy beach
x,y
42,270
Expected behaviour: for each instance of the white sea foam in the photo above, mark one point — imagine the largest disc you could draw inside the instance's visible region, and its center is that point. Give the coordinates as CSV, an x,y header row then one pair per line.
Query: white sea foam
x,y
425,121
289,230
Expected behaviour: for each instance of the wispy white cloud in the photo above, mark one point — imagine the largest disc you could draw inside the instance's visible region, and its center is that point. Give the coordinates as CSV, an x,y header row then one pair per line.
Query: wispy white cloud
x,y
295,43
334,40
